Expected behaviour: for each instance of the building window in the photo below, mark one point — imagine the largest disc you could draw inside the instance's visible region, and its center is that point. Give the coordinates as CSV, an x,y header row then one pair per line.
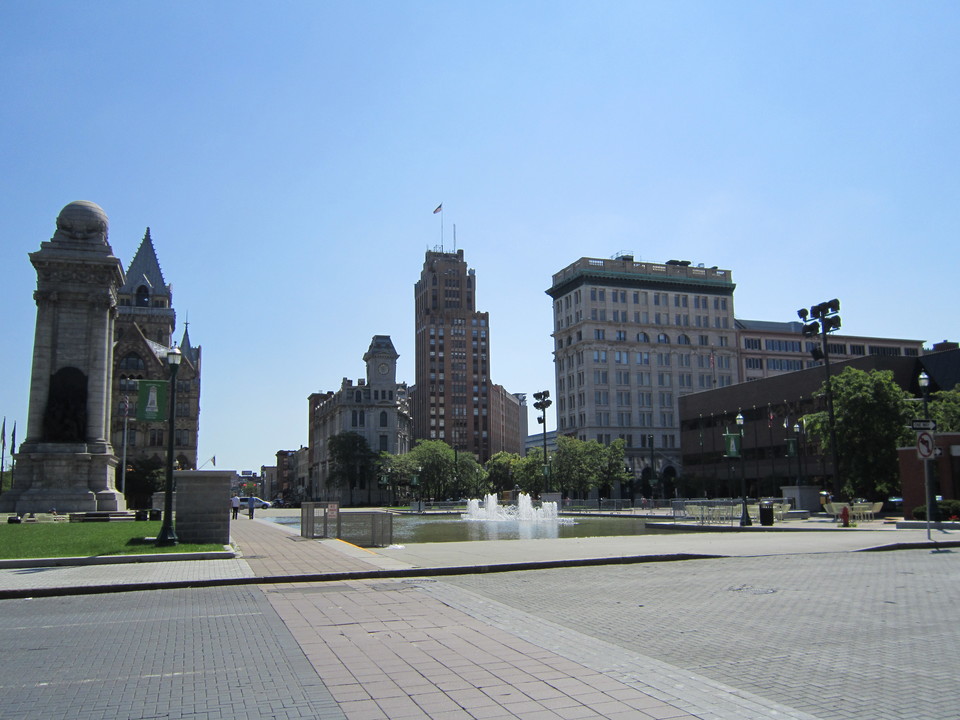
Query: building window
x,y
383,418
663,339
131,361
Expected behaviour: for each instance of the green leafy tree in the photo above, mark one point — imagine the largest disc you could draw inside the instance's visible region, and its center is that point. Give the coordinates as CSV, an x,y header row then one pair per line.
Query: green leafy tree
x,y
352,463
472,478
576,464
872,414
435,460
528,472
500,469
944,408
611,468
399,471
144,477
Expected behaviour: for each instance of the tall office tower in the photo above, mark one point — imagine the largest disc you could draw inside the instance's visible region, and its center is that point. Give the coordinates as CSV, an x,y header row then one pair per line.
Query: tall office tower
x,y
452,397
629,338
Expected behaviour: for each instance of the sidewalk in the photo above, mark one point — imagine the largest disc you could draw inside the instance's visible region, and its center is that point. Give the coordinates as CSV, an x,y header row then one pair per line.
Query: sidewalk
x,y
386,640
271,553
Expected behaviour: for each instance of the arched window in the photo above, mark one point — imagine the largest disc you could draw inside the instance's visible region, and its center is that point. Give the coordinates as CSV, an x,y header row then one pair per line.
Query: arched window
x,y
131,361
358,396
683,340
383,418
663,339
143,297
643,337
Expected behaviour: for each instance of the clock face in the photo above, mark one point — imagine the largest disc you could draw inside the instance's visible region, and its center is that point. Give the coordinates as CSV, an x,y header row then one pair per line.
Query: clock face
x,y
383,368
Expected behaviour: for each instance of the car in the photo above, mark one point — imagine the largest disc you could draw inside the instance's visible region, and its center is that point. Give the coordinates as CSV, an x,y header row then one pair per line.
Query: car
x,y
257,503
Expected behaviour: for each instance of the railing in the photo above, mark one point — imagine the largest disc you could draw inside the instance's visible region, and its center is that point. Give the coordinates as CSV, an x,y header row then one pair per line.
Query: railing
x,y
362,528
724,511
438,506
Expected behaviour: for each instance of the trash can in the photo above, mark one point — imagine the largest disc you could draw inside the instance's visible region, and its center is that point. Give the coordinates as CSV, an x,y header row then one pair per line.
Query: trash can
x,y
766,513
156,514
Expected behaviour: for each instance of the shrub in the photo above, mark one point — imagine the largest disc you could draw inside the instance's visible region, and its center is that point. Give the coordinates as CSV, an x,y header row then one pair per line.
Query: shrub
x,y
948,509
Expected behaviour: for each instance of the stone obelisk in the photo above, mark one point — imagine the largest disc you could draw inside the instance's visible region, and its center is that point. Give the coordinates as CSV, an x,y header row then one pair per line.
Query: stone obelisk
x,y
66,461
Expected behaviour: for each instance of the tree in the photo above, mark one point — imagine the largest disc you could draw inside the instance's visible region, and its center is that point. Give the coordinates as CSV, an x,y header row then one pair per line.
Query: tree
x,y
944,408
435,460
575,465
612,466
500,470
351,460
528,472
144,477
872,414
399,471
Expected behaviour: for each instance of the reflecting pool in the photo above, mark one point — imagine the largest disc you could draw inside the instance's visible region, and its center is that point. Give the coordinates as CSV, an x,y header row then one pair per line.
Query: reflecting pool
x,y
451,528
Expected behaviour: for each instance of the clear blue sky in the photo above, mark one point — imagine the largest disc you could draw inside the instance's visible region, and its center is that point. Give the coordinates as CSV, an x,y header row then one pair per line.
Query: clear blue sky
x,y
287,157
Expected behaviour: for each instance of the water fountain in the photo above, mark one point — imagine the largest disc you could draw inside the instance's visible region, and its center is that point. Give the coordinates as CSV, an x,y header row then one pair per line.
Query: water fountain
x,y
491,511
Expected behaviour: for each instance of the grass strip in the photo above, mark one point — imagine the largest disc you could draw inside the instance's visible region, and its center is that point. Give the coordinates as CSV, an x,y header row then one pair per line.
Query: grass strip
x,y
46,540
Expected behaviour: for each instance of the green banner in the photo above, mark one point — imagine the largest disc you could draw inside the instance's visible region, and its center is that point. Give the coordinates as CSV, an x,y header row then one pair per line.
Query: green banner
x,y
731,441
152,400
791,447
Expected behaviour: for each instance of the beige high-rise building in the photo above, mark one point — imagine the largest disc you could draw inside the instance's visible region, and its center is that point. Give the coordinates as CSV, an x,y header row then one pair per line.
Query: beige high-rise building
x,y
630,338
453,397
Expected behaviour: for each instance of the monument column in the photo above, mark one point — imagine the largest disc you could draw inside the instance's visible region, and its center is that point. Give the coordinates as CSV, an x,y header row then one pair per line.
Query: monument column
x,y
67,461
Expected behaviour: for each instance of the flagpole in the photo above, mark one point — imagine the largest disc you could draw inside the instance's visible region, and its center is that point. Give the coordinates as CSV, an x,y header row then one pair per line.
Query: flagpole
x,y
3,450
439,209
123,467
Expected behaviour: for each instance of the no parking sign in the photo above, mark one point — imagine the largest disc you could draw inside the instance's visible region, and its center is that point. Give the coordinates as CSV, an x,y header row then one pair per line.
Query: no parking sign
x,y
925,445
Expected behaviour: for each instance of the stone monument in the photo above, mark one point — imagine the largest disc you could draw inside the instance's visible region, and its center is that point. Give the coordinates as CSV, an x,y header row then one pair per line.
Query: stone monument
x,y
66,461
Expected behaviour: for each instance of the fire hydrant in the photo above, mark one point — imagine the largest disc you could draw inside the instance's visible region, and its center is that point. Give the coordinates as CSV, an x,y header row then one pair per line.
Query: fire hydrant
x,y
845,516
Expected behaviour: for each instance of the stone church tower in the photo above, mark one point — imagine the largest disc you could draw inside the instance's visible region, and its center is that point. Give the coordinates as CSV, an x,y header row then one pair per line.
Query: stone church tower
x,y
67,461
146,322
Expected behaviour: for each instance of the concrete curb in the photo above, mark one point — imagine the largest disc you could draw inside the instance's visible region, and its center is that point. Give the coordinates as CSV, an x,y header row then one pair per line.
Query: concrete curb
x,y
342,576
115,559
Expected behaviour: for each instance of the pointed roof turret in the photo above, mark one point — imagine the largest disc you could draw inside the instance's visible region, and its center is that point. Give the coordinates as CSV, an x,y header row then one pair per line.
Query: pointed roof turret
x,y
189,351
145,270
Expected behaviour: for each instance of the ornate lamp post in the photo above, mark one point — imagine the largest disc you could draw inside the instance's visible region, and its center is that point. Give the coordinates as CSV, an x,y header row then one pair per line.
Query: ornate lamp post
x,y
168,535
932,510
744,514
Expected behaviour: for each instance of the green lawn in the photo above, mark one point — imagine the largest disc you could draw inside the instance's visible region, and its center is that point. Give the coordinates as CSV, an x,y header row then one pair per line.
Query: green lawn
x,y
44,540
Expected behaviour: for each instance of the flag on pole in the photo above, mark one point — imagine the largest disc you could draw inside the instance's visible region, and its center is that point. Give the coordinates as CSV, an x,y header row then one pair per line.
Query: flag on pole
x,y
439,209
214,459
13,439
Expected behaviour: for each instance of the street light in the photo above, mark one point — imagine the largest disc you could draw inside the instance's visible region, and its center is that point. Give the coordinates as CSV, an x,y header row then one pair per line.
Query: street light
x,y
821,319
797,429
543,401
744,515
933,514
168,535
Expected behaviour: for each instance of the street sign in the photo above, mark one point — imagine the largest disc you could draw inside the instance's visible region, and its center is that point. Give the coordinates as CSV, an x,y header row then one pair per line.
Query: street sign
x,y
925,445
924,425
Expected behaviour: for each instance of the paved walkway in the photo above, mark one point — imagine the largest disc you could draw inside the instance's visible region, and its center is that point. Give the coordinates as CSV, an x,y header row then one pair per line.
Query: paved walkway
x,y
388,639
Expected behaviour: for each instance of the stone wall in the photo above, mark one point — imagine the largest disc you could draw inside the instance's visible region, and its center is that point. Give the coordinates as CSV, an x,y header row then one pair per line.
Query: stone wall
x,y
201,505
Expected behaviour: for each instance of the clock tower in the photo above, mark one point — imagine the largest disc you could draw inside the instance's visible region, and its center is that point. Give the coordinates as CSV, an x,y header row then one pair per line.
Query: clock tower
x,y
381,359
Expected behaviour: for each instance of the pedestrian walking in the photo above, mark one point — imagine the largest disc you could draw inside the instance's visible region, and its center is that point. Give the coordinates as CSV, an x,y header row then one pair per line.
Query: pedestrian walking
x,y
251,502
235,505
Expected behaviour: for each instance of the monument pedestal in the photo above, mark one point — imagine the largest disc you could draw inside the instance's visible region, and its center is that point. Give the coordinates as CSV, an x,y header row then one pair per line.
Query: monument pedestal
x,y
803,497
64,476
